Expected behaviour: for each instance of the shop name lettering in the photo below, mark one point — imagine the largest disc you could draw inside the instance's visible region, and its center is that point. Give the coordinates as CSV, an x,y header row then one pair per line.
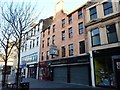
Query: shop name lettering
x,y
118,65
30,58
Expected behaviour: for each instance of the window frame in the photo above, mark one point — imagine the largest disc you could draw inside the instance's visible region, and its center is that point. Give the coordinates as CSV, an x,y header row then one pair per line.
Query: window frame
x,y
70,19
37,43
31,32
30,44
42,56
80,14
107,8
63,51
34,30
33,43
42,43
108,33
82,47
63,35
63,23
54,28
93,15
26,47
48,41
43,34
71,50
47,55
70,32
81,28
48,30
53,39
95,36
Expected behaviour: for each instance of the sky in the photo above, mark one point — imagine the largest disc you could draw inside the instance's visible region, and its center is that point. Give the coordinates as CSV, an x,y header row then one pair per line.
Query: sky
x,y
47,6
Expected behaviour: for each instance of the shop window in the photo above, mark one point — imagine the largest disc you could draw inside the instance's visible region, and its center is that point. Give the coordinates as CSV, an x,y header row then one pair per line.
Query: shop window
x,y
82,47
107,8
63,51
63,35
70,32
95,36
104,71
71,49
81,30
93,13
111,33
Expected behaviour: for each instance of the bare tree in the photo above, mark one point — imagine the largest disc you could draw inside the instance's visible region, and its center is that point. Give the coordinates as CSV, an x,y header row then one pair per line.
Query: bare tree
x,y
21,17
7,44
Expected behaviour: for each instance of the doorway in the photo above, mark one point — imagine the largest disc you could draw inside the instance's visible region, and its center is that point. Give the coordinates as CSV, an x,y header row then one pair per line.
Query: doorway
x,y
116,67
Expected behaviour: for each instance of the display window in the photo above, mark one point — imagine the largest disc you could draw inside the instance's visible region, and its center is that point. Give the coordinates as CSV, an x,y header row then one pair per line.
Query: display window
x,y
104,75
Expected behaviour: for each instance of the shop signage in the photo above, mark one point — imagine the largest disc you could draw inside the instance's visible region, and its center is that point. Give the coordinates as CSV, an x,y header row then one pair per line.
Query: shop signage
x,y
53,50
23,65
71,60
30,58
31,65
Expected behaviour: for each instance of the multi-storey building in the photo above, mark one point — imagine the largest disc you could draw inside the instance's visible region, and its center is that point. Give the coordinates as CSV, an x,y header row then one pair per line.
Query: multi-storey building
x,y
103,29
30,51
64,53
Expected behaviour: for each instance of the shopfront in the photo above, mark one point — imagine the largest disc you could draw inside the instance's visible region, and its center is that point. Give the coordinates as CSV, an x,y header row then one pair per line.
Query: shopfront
x,y
67,70
32,70
44,71
105,72
116,67
72,70
29,65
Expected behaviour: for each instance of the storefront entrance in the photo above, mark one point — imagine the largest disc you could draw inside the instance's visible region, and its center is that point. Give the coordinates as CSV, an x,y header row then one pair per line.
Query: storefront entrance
x,y
32,71
106,71
116,63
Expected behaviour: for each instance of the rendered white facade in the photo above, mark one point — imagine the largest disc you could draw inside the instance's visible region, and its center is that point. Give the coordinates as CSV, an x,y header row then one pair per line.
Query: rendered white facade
x,y
30,51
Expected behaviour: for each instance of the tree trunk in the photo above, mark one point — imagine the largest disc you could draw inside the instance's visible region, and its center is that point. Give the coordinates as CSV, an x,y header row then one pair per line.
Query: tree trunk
x,y
18,69
4,73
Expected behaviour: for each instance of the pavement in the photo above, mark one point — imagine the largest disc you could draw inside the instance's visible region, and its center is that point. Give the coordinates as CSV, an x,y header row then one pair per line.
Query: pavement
x,y
51,85
55,85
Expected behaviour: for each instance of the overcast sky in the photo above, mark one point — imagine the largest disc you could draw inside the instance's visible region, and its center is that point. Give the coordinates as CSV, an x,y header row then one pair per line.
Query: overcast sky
x,y
47,6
